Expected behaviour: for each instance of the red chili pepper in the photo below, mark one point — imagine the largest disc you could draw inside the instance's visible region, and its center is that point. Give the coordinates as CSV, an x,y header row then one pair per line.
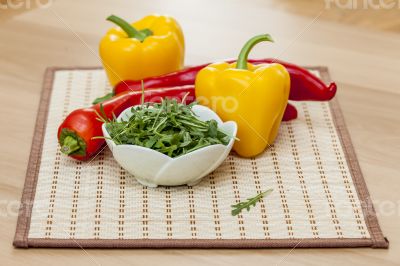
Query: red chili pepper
x,y
290,113
77,131
305,86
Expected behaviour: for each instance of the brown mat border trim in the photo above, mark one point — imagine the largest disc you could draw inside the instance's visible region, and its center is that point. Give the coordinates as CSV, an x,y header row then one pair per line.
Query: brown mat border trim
x,y
21,239
378,239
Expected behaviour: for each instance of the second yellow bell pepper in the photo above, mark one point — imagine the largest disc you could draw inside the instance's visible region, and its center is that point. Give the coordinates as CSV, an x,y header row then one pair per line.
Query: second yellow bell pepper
x,y
253,96
149,47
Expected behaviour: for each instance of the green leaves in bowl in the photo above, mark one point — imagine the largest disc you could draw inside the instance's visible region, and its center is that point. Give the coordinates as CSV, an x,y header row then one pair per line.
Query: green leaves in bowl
x,y
169,127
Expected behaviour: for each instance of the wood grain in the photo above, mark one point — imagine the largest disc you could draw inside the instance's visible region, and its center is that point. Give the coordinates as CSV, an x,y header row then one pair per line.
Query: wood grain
x,y
365,63
374,15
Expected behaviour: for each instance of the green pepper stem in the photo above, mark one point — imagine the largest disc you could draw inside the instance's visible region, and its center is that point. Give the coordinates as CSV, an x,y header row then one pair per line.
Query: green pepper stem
x,y
129,29
244,53
104,98
69,145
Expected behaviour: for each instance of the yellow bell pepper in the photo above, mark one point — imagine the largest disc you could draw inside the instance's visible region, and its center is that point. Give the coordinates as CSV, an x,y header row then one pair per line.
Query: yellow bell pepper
x,y
255,97
149,47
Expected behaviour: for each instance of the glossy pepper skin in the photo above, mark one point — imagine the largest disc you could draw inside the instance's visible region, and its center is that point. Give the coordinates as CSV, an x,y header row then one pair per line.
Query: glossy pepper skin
x,y
76,133
149,47
255,96
304,86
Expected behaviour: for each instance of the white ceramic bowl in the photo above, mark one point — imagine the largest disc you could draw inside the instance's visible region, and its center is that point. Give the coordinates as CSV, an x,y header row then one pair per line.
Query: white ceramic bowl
x,y
152,168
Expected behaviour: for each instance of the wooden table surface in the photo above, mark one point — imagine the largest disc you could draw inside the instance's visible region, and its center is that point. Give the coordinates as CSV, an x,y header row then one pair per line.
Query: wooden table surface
x,y
364,62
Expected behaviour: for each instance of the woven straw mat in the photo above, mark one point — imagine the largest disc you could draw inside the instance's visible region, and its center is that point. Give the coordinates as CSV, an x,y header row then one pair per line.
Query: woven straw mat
x,y
319,196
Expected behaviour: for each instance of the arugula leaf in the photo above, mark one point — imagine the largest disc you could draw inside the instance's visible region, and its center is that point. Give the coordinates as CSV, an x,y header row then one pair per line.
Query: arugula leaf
x,y
237,208
169,127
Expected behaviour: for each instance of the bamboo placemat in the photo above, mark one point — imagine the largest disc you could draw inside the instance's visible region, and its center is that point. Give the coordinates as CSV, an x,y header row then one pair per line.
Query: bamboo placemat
x,y
320,198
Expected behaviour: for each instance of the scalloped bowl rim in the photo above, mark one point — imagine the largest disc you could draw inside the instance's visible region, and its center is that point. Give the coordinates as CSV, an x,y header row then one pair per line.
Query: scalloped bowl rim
x,y
154,167
195,107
